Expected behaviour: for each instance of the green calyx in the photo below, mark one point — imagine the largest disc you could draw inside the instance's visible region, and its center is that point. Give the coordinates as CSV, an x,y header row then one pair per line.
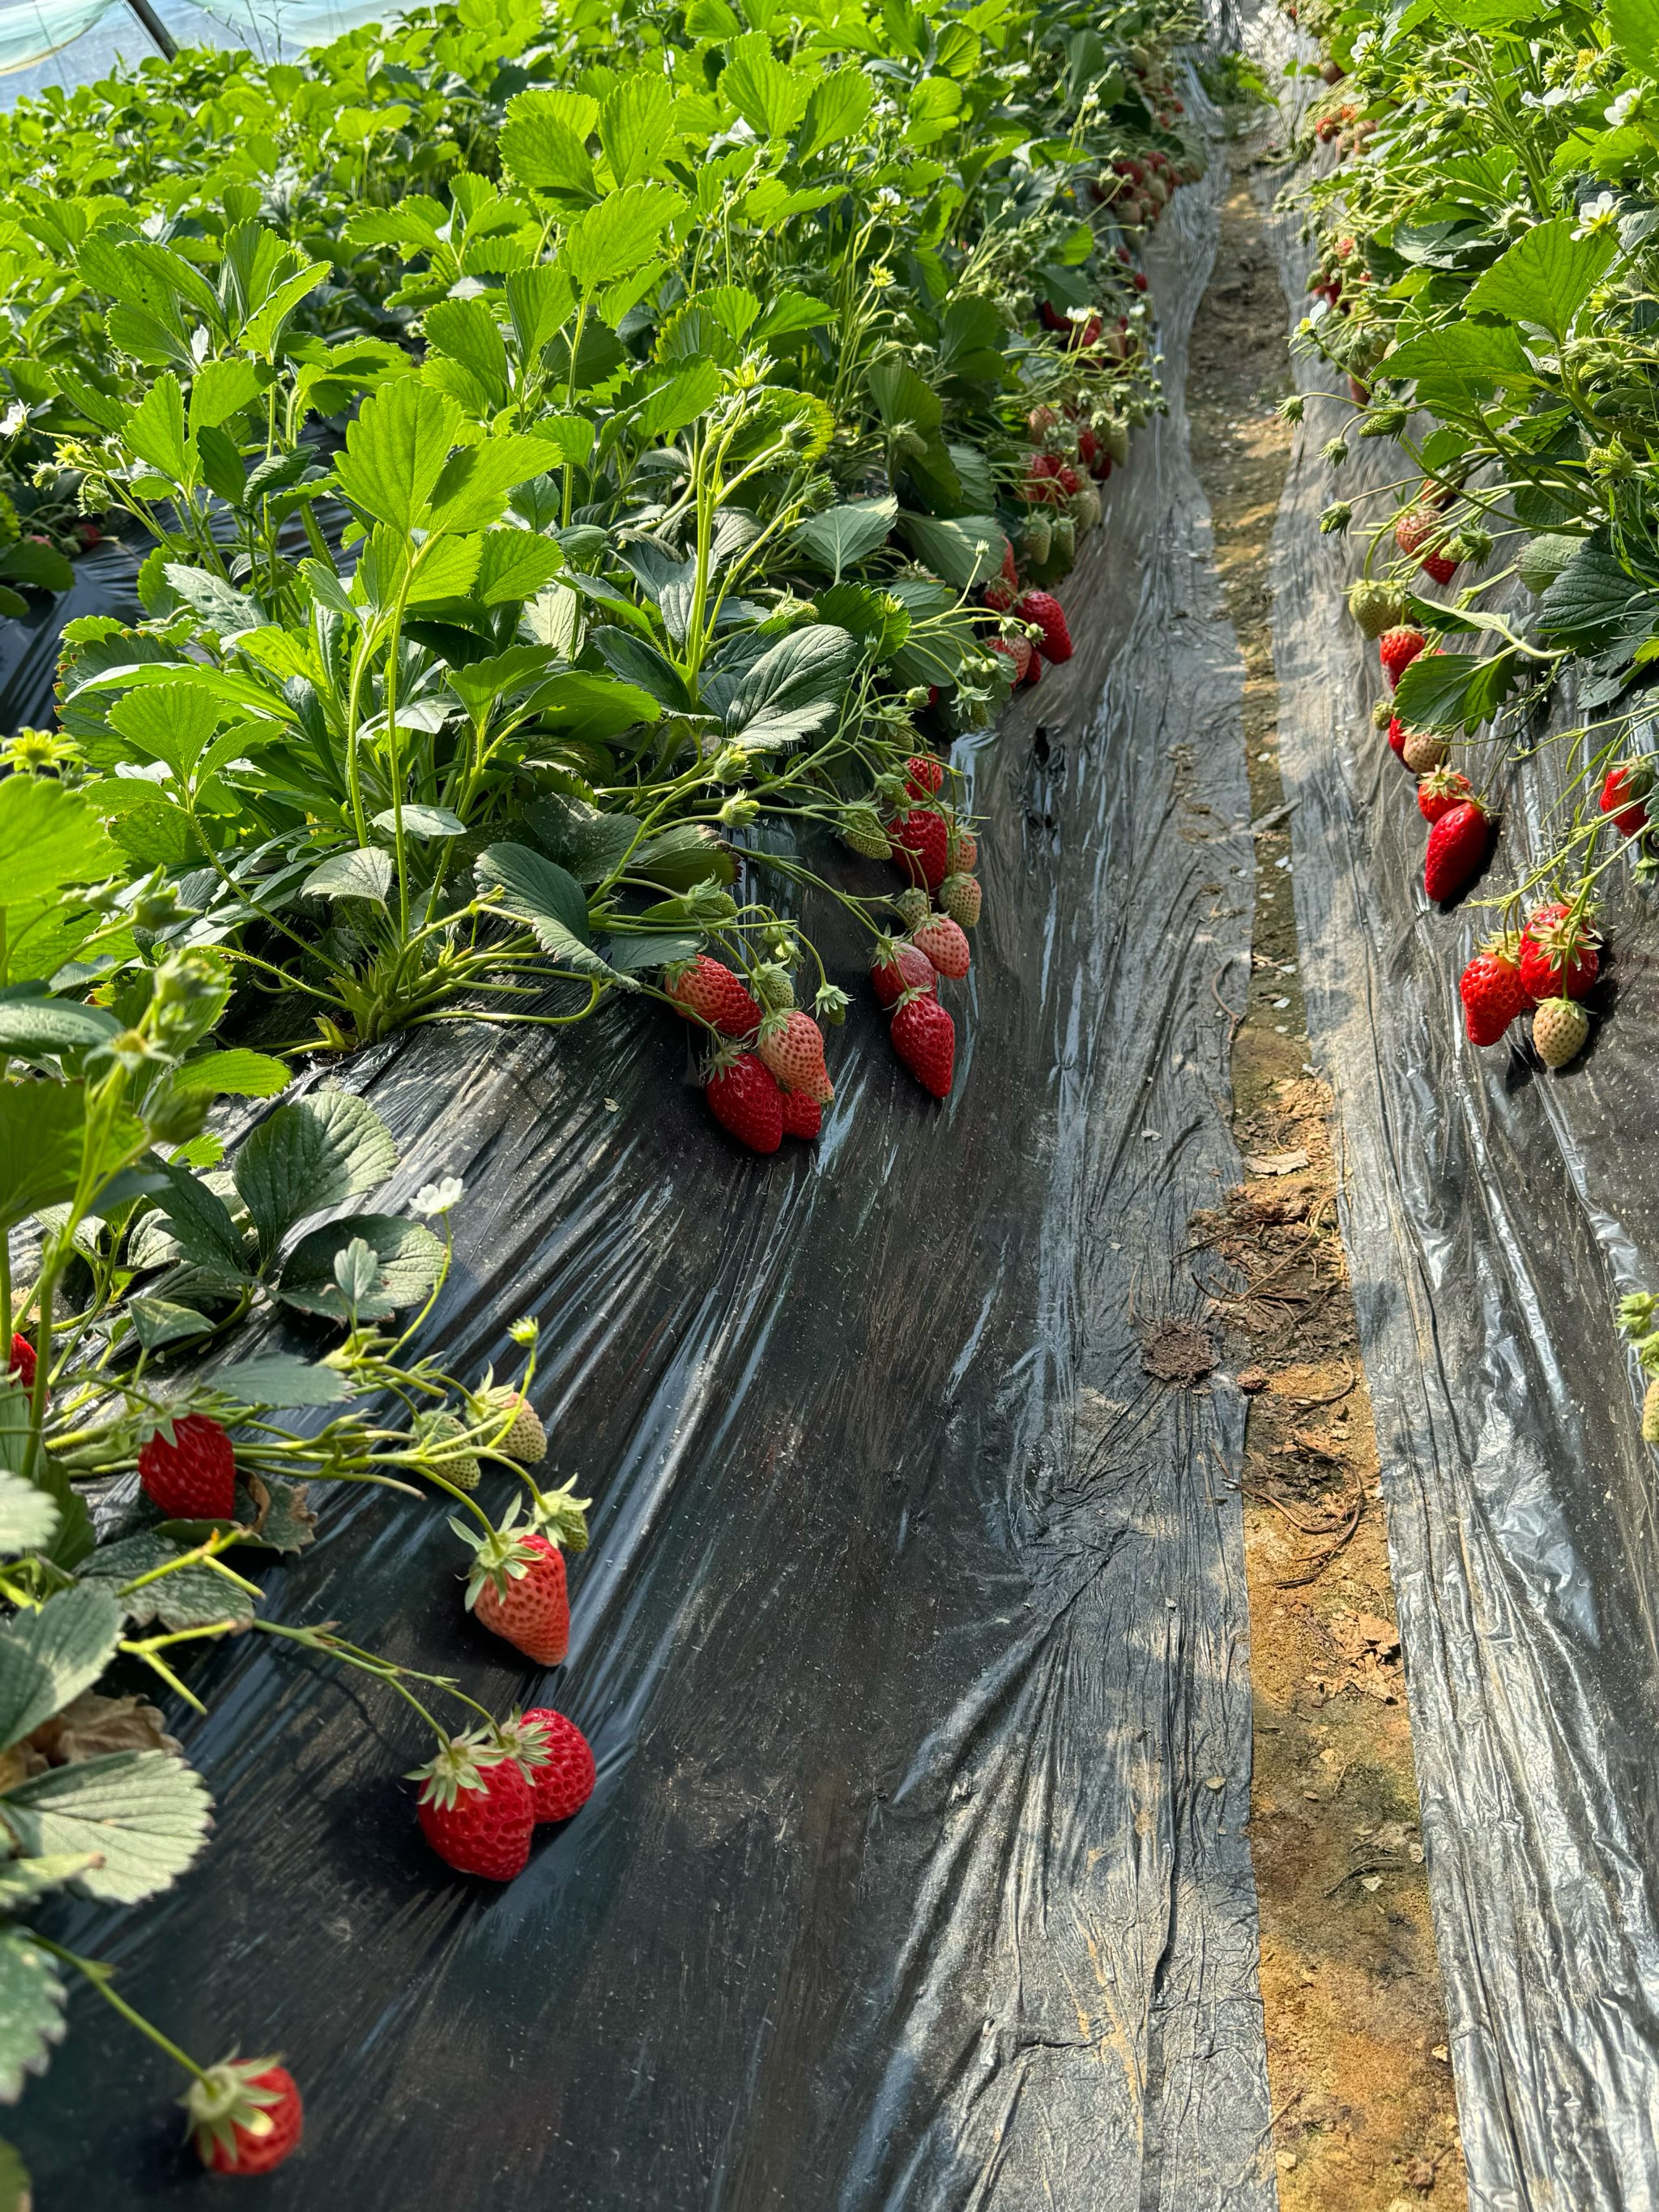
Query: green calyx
x,y
457,1764
228,2097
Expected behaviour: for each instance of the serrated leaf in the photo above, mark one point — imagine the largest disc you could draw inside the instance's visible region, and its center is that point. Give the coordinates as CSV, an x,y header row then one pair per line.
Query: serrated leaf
x,y
364,874
185,1597
1544,278
32,1999
144,1813
226,611
613,238
537,890
792,690
23,561
280,1378
22,1880
234,1073
49,1656
16,2193
841,537
48,837
422,821
396,450
636,124
965,550
156,431
409,1257
207,1236
42,1136
312,1153
156,1322
27,1516
31,1026
219,390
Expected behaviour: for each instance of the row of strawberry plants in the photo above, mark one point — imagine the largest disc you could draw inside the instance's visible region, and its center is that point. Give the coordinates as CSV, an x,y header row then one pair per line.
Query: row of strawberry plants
x,y
714,412
563,454
1485,219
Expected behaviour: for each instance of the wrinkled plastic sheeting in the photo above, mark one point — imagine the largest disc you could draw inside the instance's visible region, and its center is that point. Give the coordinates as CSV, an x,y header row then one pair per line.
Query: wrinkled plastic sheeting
x,y
1492,1214
911,1638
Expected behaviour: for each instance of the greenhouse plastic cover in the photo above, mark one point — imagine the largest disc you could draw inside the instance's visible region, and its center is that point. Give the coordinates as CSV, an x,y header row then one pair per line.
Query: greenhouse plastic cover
x,y
74,42
1494,1215
911,1638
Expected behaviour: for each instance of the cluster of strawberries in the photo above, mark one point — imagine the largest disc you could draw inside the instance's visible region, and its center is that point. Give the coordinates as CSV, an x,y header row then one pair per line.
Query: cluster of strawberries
x,y
1547,966
1030,611
1138,187
1459,823
483,1793
940,856
766,1079
1544,969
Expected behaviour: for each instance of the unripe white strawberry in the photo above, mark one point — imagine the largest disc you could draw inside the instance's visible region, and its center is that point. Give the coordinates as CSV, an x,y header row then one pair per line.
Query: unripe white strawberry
x,y
1425,749
1559,1029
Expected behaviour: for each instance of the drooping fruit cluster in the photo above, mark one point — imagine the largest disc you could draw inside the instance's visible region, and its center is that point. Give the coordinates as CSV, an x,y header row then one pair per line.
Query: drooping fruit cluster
x,y
483,1796
1545,969
766,1077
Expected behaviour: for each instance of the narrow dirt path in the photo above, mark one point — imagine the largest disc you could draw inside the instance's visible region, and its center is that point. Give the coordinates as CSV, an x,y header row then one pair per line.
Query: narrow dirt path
x,y
1364,2119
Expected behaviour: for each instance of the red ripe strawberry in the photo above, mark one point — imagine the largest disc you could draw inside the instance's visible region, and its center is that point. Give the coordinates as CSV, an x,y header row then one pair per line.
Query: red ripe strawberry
x,y
802,1117
1457,849
1440,790
562,1779
1051,317
245,2116
792,1045
923,775
920,842
900,967
1492,989
704,990
1397,649
925,1039
477,1809
1624,794
1091,453
194,1477
744,1097
1044,485
1558,959
1084,335
517,1589
1017,649
1440,566
22,1361
944,945
999,595
1398,734
1045,612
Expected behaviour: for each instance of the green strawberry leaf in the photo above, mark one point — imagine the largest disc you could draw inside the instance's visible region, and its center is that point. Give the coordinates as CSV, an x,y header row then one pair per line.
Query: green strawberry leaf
x,y
144,1814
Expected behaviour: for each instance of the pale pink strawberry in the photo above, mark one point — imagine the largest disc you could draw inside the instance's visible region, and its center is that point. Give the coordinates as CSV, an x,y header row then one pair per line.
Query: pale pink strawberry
x,y
792,1045
943,941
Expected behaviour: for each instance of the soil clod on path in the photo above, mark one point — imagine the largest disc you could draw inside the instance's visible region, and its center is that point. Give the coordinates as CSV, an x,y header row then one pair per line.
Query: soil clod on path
x,y
1363,2119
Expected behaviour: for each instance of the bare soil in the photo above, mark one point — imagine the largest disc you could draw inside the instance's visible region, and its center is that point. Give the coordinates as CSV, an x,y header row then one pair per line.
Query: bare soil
x,y
1364,2118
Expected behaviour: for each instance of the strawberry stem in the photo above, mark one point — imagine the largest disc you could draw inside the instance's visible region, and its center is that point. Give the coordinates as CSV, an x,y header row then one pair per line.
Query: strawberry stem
x,y
101,1977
